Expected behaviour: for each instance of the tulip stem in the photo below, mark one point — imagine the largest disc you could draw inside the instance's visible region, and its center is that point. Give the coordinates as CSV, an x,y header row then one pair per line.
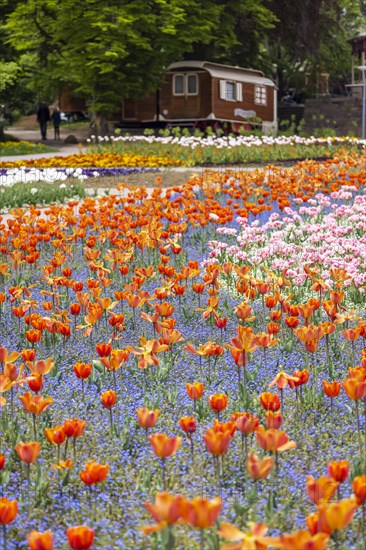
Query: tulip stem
x,y
163,469
34,426
170,542
192,447
5,537
202,540
66,445
111,421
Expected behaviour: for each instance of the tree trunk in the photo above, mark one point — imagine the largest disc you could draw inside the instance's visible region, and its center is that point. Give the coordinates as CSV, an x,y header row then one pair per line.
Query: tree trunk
x,y
99,125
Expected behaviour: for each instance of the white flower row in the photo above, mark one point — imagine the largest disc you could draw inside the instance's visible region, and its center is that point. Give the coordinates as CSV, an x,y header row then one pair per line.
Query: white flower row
x,y
46,175
227,141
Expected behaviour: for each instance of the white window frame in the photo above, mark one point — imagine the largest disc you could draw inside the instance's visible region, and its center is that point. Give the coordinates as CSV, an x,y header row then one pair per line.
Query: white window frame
x,y
174,86
231,82
185,84
260,95
238,91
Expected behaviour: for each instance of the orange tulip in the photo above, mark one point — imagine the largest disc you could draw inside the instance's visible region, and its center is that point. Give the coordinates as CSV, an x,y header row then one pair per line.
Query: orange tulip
x,y
40,541
352,334
108,399
291,322
8,510
103,350
198,288
200,512
225,427
302,540
254,539
282,379
274,440
74,427
82,370
28,354
270,401
273,328
337,515
321,490
359,488
195,390
246,422
188,424
2,462
331,389
259,469
275,315
80,537
116,359
243,343
273,420
63,464
315,526
355,389
164,446
302,376
217,443
41,367
35,404
166,511
75,309
218,402
265,340
338,470
310,336
221,322
56,435
28,452
94,473
244,312
33,336
358,372
147,419
37,383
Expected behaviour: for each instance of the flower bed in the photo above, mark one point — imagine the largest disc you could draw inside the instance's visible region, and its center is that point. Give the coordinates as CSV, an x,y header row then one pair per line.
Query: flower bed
x,y
158,396
102,160
192,150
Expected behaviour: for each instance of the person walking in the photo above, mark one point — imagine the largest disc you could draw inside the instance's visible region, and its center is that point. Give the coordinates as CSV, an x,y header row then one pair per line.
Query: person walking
x,y
43,116
56,120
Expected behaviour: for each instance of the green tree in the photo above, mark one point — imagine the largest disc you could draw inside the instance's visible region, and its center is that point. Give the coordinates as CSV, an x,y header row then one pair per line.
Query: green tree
x,y
310,37
241,28
113,49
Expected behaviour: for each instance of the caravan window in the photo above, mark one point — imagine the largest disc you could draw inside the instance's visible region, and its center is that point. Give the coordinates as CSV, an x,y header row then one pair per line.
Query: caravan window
x,y
260,95
185,84
178,84
231,91
192,84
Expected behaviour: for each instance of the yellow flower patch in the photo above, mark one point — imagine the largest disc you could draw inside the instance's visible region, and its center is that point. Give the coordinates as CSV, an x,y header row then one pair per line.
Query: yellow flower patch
x,y
104,160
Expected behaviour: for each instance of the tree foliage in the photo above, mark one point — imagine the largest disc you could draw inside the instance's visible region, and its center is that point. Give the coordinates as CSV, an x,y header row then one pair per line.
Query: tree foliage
x,y
112,49
120,48
310,37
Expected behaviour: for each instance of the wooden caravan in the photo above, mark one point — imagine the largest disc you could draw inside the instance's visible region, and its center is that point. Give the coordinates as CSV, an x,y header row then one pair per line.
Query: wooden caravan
x,y
201,93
